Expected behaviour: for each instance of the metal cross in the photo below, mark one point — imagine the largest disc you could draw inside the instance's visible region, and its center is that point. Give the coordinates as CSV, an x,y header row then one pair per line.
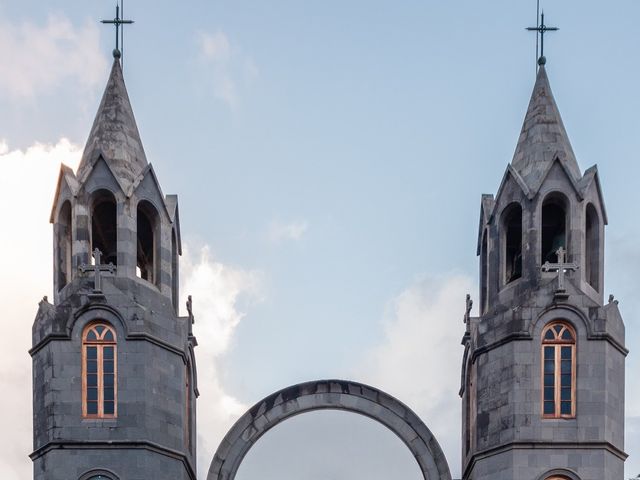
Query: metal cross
x,y
117,22
541,30
561,267
97,269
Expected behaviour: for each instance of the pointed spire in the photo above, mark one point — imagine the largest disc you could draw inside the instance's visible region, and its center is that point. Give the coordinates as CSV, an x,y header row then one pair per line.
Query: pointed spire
x,y
114,134
543,137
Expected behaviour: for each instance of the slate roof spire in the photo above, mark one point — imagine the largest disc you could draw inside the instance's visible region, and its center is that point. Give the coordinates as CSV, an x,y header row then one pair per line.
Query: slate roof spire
x,y
114,134
543,138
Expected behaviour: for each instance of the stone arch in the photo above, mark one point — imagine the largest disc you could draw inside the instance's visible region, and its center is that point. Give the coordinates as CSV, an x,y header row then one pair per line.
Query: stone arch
x,y
100,474
559,474
334,395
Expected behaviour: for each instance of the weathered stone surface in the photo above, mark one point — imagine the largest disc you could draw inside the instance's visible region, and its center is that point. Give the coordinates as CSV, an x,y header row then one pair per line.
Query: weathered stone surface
x,y
329,394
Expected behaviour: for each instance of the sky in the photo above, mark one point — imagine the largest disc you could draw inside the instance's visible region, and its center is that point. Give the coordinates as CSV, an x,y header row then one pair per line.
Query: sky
x,y
329,158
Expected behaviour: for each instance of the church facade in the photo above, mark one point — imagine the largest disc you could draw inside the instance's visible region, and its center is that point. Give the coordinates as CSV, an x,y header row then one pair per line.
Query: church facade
x,y
114,372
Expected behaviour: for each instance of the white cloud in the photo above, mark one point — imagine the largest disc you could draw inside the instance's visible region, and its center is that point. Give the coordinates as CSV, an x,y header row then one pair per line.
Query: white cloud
x,y
419,360
27,184
215,46
279,232
216,289
39,58
230,68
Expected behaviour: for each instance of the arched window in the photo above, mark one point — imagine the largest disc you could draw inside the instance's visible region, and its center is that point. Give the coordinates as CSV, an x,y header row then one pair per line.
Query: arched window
x,y
592,247
559,370
188,427
148,261
175,280
554,227
104,226
99,371
512,243
484,272
99,475
63,245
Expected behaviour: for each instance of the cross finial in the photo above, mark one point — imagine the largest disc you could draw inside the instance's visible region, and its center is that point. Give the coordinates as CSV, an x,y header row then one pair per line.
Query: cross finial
x,y
561,267
117,22
541,30
97,269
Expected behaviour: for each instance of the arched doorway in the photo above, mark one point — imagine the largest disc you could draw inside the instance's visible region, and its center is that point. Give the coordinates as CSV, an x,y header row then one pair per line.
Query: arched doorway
x,y
329,394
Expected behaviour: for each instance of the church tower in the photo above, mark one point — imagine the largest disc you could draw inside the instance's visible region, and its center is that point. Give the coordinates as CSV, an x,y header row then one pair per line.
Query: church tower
x,y
543,370
114,378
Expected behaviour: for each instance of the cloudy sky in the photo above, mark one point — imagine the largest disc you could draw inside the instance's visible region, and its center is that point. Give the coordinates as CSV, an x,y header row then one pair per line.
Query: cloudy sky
x,y
329,158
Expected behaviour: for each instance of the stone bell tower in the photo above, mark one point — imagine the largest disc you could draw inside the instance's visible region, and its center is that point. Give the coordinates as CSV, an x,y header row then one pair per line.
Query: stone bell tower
x,y
114,379
543,370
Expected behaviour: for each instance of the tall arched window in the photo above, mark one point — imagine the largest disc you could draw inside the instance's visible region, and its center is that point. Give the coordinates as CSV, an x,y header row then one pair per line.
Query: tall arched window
x,y
592,247
188,415
175,281
512,243
554,227
104,226
148,261
559,370
99,371
63,245
484,272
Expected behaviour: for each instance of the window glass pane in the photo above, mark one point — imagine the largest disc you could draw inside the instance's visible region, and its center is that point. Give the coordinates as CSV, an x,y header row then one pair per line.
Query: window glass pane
x,y
92,353
565,367
566,335
549,335
108,366
92,380
108,408
92,394
549,366
565,394
557,328
108,381
108,336
566,353
92,366
549,408
549,381
92,335
565,380
548,393
565,408
108,394
108,353
92,408
549,353
99,329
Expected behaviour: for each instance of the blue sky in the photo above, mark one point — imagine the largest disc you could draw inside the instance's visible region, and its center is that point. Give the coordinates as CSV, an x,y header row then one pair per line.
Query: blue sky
x,y
329,158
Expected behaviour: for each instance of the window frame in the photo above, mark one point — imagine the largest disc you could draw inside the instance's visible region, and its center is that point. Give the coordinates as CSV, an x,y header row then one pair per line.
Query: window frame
x,y
100,344
557,344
